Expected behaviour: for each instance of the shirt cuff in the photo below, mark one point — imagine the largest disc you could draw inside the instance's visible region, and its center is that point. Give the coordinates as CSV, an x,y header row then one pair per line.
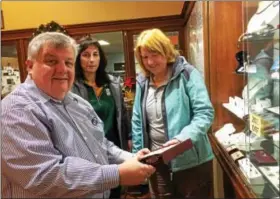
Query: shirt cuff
x,y
111,176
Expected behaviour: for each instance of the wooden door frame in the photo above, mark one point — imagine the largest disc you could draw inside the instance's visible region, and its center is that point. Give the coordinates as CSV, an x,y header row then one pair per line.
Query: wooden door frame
x,y
174,22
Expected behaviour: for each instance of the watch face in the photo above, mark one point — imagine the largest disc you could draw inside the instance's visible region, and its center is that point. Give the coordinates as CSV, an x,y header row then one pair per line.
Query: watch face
x,y
237,155
231,149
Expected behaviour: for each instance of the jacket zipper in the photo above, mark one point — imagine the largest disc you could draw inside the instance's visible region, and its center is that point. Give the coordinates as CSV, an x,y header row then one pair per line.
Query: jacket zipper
x,y
164,115
155,96
164,118
146,142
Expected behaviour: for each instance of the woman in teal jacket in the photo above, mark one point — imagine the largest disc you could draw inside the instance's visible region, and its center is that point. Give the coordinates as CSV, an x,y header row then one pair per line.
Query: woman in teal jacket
x,y
172,105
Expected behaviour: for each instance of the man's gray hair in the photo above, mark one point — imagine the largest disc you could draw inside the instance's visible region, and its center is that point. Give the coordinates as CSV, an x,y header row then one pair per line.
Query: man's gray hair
x,y
55,39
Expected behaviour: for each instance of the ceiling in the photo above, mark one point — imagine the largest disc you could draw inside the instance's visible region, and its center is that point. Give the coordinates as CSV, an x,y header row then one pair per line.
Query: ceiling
x,y
20,15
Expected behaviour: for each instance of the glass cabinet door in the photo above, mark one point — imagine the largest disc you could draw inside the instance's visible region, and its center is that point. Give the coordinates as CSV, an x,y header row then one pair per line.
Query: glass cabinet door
x,y
260,45
9,68
112,44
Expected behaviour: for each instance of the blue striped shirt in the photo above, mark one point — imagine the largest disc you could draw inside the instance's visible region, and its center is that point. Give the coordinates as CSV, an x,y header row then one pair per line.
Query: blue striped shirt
x,y
55,148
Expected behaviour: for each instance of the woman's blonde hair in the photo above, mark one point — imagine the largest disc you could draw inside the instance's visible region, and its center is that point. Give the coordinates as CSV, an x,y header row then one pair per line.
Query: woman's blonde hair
x,y
155,40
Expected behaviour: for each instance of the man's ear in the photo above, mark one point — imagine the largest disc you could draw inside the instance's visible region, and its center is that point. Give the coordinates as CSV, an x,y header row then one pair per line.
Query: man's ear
x,y
29,65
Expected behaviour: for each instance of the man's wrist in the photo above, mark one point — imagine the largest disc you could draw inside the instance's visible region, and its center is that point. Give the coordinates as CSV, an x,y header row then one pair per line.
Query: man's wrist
x,y
111,176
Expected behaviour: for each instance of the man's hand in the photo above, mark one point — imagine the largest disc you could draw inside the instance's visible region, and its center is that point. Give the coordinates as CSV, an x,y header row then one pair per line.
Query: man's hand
x,y
171,142
133,172
141,153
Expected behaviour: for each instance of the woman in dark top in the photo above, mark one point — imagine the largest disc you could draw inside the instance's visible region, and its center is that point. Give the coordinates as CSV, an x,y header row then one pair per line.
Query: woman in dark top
x,y
103,92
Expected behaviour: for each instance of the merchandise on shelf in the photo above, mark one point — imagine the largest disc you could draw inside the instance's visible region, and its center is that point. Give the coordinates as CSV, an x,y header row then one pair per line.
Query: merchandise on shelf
x,y
250,171
262,124
265,21
10,79
272,174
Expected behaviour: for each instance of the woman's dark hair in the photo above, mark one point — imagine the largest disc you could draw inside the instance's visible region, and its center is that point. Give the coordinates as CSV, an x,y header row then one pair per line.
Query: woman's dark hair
x,y
101,75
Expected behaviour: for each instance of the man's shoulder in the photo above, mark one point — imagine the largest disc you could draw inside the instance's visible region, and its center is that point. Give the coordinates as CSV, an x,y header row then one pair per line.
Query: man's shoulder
x,y
26,96
79,107
18,97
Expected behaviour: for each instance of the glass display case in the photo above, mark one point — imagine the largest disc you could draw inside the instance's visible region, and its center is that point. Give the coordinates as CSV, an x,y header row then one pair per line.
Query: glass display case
x,y
255,149
9,68
260,43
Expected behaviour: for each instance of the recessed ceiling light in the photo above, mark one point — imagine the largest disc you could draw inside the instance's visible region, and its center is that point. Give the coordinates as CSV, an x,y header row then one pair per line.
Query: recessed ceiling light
x,y
103,42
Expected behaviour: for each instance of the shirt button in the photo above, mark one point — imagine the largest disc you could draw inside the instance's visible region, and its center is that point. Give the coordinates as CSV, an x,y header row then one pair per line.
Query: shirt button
x,y
85,138
96,156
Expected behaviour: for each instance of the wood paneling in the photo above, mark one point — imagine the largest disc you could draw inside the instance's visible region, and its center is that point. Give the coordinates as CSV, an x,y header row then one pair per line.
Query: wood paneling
x,y
22,48
122,25
224,30
186,11
126,55
174,22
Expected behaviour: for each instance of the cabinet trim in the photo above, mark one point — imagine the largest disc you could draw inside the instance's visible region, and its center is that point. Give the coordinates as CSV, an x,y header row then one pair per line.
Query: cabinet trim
x,y
121,25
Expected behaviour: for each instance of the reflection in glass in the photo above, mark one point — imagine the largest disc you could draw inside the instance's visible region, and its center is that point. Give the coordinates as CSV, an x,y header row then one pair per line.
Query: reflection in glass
x,y
9,69
194,33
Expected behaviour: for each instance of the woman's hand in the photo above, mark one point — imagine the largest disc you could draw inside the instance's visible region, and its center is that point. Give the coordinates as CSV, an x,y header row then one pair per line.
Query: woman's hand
x,y
171,142
129,145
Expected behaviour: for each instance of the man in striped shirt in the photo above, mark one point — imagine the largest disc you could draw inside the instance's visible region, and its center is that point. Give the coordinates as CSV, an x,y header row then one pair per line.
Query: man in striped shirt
x,y
53,142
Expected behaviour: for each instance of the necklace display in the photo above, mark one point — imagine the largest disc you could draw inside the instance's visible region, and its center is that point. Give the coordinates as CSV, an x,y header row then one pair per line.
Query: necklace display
x,y
266,14
263,6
